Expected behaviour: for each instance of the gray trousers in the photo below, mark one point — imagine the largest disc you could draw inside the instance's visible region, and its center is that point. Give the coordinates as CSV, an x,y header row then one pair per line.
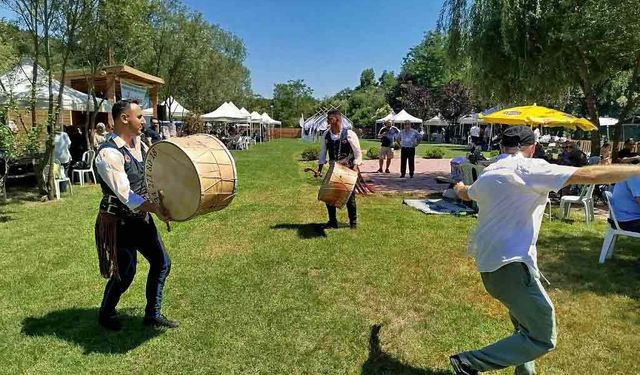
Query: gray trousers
x,y
518,288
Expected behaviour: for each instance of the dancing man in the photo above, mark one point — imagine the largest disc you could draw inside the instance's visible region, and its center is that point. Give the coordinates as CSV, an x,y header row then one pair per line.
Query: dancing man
x,y
511,195
124,224
344,148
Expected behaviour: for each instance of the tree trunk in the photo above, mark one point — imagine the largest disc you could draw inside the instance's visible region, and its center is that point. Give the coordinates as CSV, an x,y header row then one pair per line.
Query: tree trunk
x,y
593,113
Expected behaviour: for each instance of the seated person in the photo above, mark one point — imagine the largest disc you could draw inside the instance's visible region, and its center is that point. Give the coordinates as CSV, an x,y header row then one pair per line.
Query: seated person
x,y
627,155
539,153
626,204
605,154
572,155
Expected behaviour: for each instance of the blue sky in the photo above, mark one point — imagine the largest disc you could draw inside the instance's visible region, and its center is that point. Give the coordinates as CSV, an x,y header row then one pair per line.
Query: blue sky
x,y
326,43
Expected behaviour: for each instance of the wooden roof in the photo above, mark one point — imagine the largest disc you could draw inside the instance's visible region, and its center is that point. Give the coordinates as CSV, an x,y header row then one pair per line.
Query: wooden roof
x,y
121,71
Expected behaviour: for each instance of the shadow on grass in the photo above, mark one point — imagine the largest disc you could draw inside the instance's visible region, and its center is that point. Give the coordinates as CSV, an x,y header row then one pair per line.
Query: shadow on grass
x,y
380,362
305,231
80,327
571,262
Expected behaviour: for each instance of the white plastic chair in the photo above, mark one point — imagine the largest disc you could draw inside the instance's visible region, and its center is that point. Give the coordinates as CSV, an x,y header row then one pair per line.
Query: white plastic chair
x,y
58,179
87,157
585,198
609,243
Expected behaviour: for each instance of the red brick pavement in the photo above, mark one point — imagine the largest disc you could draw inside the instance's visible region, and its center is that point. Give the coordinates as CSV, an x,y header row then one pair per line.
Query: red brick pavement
x,y
423,181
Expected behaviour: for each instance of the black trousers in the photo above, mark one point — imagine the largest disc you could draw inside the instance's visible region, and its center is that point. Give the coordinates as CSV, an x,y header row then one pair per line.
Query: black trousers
x,y
407,154
138,234
351,210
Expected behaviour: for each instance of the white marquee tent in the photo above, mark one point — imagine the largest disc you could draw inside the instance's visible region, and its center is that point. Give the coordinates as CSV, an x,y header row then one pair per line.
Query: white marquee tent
x,y
175,109
16,86
227,112
386,118
403,117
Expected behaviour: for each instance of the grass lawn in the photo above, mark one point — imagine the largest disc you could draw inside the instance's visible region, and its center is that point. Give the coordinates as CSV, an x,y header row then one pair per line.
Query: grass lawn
x,y
260,289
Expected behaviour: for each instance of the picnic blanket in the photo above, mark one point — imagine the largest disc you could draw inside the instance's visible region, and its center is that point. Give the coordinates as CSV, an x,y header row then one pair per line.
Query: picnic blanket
x,y
439,206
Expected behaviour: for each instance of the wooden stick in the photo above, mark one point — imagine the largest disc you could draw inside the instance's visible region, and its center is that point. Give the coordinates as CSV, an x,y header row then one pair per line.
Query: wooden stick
x,y
161,196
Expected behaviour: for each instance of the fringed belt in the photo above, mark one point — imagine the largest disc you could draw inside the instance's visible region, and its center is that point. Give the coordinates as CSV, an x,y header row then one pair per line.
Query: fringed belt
x,y
112,211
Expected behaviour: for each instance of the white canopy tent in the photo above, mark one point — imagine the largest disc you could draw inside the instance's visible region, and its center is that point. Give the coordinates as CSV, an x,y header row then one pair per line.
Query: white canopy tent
x,y
225,113
386,118
437,121
609,121
174,109
17,88
404,117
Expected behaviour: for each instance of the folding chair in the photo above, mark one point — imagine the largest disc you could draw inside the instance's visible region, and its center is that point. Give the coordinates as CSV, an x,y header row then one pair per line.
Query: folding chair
x,y
609,243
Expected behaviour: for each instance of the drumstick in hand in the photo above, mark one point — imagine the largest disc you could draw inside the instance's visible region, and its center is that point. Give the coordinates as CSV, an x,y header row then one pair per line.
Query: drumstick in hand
x,y
161,196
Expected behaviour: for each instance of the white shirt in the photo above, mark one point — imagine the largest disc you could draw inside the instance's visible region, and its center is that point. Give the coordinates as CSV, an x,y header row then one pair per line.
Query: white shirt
x,y
409,138
61,143
475,131
110,167
353,141
511,196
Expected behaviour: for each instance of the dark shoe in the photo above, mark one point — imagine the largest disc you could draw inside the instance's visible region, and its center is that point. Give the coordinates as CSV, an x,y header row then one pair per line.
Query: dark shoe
x,y
460,368
160,321
353,225
387,171
379,171
109,321
331,224
410,176
401,176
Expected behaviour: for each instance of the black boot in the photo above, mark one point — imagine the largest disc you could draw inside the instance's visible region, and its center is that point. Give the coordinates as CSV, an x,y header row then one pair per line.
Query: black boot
x,y
109,321
160,321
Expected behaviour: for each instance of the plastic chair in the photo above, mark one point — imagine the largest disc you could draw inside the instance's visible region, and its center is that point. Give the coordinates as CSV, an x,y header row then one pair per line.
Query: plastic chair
x,y
59,178
585,198
87,157
609,243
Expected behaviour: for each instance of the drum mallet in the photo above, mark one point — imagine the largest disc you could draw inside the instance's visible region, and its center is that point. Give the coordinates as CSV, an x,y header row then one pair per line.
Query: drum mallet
x,y
161,197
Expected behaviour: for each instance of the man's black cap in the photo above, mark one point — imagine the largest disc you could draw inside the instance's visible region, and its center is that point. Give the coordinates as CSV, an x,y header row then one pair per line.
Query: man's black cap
x,y
516,136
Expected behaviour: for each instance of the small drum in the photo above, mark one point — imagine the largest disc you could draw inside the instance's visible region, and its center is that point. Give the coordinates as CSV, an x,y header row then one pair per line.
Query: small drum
x,y
196,174
338,185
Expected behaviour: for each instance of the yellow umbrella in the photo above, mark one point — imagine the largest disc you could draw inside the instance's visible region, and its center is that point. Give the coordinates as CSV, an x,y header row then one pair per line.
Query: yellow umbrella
x,y
537,115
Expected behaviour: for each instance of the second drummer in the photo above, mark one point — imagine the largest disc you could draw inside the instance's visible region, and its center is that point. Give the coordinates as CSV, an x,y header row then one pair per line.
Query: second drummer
x,y
343,147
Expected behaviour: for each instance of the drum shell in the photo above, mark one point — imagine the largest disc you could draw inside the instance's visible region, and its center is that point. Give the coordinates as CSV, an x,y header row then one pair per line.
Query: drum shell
x,y
197,175
338,185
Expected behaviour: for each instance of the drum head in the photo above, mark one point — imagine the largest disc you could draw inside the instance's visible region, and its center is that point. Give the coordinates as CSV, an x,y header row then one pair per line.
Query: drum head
x,y
169,168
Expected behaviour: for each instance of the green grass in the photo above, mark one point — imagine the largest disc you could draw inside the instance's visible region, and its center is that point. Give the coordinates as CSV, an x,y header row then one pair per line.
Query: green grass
x,y
260,289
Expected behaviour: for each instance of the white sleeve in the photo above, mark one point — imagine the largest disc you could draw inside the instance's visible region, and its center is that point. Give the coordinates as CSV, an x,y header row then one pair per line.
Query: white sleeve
x,y
544,177
355,146
110,167
322,158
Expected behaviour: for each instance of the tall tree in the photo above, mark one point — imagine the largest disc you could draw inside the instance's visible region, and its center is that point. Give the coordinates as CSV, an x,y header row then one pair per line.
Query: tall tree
x,y
525,51
367,78
292,99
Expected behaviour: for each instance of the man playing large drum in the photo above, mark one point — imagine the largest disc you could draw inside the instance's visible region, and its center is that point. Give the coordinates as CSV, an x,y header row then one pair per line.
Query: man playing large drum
x,y
124,224
343,147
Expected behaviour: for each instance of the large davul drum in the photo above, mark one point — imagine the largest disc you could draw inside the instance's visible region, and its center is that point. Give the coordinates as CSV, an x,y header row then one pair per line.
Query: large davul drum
x,y
338,185
196,174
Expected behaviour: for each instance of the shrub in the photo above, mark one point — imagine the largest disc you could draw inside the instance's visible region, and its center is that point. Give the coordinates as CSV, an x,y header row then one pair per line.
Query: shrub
x,y
373,152
433,153
310,153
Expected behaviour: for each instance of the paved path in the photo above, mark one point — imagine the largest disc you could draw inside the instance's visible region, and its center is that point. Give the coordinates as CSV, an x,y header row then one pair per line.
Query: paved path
x,y
423,181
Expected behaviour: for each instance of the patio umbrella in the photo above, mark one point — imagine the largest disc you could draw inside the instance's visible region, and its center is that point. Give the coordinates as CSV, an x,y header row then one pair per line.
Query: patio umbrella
x,y
537,115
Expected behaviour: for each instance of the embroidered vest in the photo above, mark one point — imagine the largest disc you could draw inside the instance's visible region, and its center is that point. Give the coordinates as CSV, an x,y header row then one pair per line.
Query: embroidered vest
x,y
135,173
340,149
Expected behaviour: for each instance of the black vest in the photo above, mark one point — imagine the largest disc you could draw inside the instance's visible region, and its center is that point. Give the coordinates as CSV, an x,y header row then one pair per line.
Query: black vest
x,y
340,149
135,173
